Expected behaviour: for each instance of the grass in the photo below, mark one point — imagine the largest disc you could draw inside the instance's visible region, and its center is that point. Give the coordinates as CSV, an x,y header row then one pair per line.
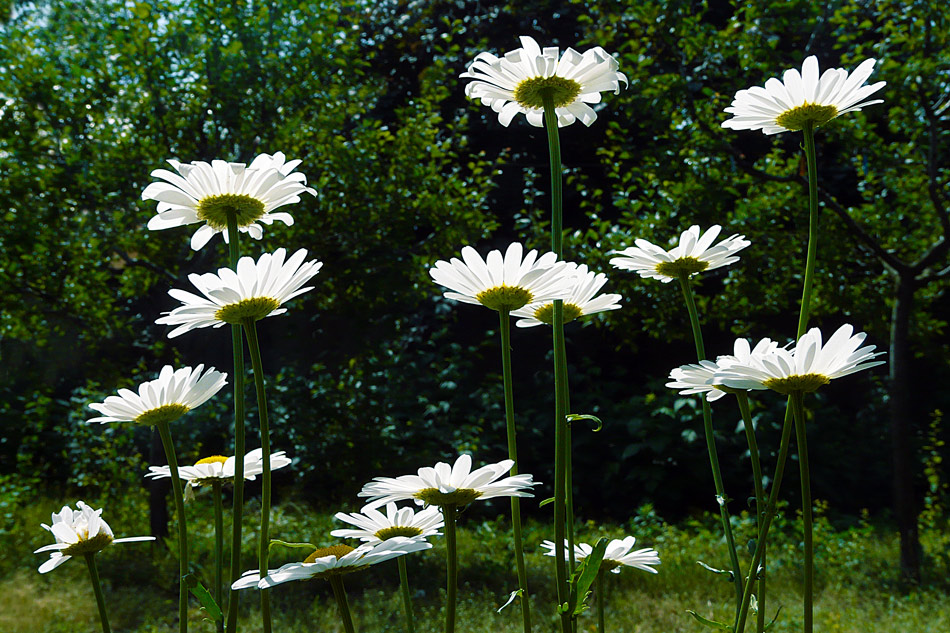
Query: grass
x,y
857,587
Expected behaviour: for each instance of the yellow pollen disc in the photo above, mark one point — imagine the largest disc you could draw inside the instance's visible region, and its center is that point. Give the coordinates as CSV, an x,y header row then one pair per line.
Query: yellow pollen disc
x,y
545,314
254,309
609,563
461,497
397,530
88,545
797,118
682,266
504,297
530,92
801,383
164,413
214,459
214,210
334,550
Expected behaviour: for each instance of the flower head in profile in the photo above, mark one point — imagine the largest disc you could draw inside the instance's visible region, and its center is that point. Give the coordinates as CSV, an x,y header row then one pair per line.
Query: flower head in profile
x,y
697,378
333,561
456,485
802,99
806,367
581,301
221,468
203,192
504,282
163,400
695,253
77,533
374,527
255,291
617,554
519,81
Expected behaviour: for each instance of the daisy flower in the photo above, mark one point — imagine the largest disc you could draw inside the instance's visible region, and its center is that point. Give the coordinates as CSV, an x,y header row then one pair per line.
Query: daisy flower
x,y
165,399
694,254
255,291
504,282
455,485
221,468
202,192
517,82
581,301
618,553
332,561
375,527
806,367
77,533
802,99
697,378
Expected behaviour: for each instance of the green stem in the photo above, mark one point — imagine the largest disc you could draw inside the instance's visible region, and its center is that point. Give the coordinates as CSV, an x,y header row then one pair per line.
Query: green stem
x,y
600,602
237,513
218,546
743,399
339,592
451,567
505,328
250,330
798,409
166,435
812,255
406,597
560,378
711,443
97,588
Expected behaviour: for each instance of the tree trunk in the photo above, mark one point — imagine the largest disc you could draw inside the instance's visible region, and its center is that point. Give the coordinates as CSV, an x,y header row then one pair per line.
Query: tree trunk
x,y
157,491
902,429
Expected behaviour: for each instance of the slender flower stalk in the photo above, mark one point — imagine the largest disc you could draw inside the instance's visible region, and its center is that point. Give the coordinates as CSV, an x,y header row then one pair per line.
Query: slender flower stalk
x,y
505,328
237,513
339,592
97,588
250,331
798,409
449,513
406,596
711,442
744,409
165,433
218,548
601,626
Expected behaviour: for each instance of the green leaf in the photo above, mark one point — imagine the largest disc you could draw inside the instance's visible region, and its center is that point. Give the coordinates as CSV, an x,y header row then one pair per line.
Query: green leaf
x,y
207,602
574,417
710,623
585,575
546,502
769,625
721,572
275,541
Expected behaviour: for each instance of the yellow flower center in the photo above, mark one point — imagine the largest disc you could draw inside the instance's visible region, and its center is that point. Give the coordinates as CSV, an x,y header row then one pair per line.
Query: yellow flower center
x,y
682,266
460,497
254,309
797,118
334,550
545,314
505,297
88,545
397,530
214,210
214,459
530,92
801,383
164,413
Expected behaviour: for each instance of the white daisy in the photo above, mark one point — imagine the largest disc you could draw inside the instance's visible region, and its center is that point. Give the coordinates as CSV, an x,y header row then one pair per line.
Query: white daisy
x,y
618,553
694,254
504,283
332,561
79,532
221,468
802,99
806,367
697,378
458,485
579,303
516,82
255,291
200,192
165,399
375,527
